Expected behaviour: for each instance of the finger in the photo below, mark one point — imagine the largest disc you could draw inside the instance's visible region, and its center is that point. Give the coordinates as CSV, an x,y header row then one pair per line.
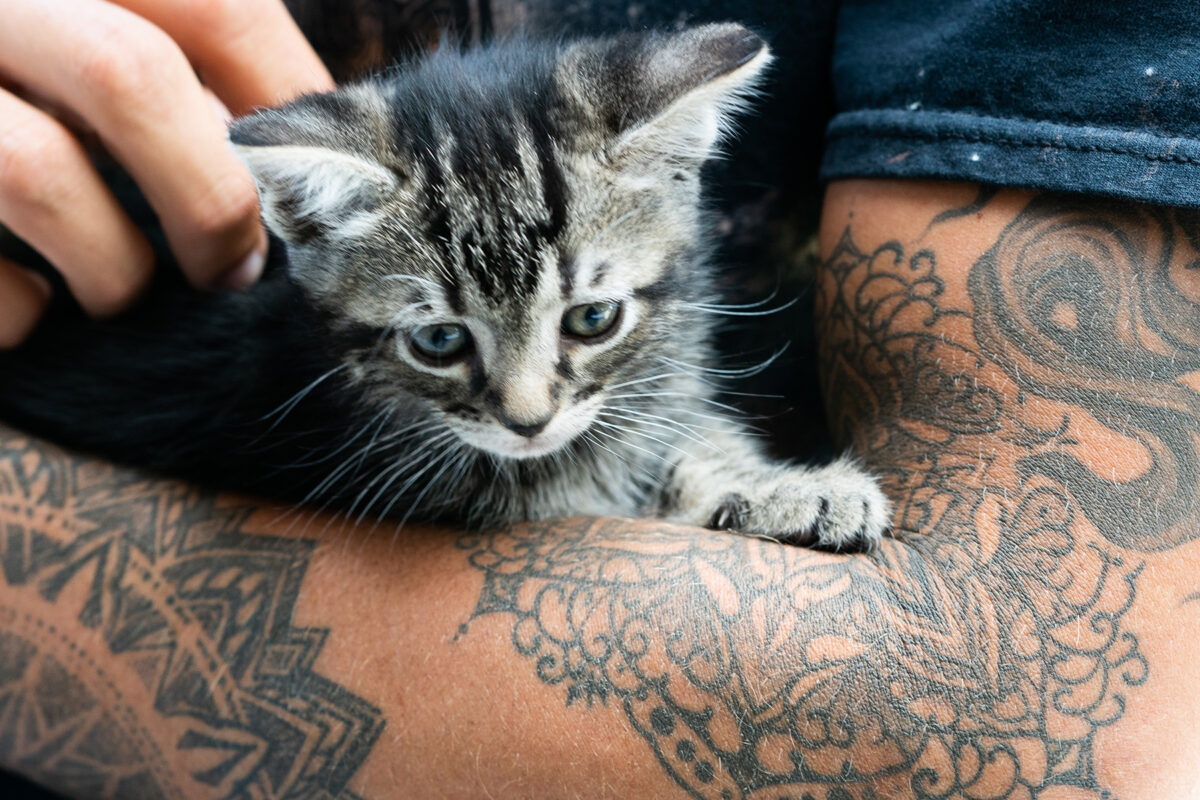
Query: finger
x,y
23,298
53,199
250,53
134,86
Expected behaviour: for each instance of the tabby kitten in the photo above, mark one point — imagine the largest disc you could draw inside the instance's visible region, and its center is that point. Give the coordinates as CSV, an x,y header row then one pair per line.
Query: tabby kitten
x,y
497,306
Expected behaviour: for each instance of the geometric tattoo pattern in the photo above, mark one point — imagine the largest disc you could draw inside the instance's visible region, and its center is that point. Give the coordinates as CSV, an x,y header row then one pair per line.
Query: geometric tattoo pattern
x,y
51,723
978,652
200,611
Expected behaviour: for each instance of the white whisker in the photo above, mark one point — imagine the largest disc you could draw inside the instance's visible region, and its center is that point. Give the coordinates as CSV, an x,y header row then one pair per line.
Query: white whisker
x,y
744,372
691,426
446,459
673,427
625,444
643,434
288,405
394,473
739,311
659,377
708,400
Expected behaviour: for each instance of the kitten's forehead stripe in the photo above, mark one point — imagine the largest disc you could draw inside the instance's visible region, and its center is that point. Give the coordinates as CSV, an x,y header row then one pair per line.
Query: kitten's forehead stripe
x,y
554,187
599,273
438,218
506,145
506,244
566,276
454,297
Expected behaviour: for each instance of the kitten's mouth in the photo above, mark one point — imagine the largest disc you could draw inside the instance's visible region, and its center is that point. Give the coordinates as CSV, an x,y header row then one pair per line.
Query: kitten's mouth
x,y
534,446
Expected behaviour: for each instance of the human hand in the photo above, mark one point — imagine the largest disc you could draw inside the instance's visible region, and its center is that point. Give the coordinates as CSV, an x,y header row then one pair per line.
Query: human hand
x,y
144,76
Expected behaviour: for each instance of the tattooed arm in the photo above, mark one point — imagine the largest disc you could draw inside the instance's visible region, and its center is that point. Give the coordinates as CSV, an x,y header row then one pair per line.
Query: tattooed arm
x,y
1020,369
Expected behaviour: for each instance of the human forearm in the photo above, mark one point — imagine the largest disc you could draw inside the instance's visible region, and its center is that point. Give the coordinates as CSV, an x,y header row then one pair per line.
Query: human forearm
x,y
1020,369
191,656
451,661
601,658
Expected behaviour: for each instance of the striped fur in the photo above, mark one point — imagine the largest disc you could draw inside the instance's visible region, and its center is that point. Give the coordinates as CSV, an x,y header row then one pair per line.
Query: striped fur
x,y
497,190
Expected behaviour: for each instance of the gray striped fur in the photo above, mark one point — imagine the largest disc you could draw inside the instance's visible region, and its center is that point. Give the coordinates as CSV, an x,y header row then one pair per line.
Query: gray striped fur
x,y
497,189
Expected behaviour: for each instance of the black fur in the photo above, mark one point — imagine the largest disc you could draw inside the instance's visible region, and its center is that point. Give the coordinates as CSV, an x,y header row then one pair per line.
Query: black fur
x,y
189,384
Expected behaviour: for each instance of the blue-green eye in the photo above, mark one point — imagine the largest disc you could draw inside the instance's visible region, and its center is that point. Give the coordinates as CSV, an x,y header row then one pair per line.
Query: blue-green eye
x,y
591,319
440,342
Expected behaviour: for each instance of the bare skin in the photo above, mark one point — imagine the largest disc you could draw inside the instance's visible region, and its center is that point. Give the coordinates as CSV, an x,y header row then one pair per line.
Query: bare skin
x,y
1028,633
153,82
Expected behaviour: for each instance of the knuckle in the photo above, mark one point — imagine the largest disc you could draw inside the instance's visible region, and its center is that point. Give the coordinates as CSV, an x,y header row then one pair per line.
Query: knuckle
x,y
222,23
127,60
32,157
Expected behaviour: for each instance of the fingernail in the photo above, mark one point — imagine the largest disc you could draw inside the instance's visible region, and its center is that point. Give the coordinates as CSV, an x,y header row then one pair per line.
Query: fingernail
x,y
244,274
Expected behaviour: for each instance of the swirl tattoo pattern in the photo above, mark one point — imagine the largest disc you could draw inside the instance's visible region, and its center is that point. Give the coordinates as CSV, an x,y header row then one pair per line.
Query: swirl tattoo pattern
x,y
1082,303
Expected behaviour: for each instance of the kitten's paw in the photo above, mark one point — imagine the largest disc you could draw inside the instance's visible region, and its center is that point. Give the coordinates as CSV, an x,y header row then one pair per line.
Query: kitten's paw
x,y
838,508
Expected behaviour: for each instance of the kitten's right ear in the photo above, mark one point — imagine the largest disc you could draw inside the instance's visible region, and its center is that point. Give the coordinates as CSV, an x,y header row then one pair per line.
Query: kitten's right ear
x,y
661,94
308,182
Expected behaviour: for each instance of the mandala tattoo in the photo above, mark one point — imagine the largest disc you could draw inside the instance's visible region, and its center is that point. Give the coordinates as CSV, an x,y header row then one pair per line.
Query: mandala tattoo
x,y
199,610
979,652
51,723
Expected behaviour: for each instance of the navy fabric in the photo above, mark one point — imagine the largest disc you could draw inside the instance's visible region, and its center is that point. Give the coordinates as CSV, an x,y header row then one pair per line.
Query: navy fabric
x,y
1094,97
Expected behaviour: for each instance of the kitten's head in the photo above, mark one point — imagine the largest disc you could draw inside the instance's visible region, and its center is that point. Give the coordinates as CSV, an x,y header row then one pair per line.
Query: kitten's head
x,y
512,235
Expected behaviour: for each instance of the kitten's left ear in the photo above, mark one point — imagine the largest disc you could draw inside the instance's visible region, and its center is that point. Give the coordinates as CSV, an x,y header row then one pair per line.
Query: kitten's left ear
x,y
664,94
310,179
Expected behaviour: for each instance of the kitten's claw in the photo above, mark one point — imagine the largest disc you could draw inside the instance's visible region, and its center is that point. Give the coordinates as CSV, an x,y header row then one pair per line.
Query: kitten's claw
x,y
839,508
850,519
730,514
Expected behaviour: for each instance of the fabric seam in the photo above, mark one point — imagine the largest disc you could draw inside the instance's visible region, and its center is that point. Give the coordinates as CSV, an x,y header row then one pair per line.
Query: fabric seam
x,y
865,130
969,112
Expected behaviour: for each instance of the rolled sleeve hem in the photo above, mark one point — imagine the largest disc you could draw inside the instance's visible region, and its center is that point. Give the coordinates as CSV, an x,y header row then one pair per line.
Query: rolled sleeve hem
x,y
899,143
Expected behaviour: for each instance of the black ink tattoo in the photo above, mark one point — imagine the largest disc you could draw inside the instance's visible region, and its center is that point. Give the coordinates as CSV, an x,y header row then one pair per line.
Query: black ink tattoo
x,y
199,610
980,652
986,195
1079,302
53,726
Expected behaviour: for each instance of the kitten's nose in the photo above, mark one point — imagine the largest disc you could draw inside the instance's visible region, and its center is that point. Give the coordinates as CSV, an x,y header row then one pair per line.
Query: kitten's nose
x,y
529,429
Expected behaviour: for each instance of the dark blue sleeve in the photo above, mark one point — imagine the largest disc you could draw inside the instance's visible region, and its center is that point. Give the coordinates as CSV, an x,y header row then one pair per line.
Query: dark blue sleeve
x,y
1095,97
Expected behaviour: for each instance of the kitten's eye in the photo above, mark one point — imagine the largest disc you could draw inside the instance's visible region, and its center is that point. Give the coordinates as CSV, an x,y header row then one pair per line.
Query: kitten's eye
x,y
590,320
440,342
